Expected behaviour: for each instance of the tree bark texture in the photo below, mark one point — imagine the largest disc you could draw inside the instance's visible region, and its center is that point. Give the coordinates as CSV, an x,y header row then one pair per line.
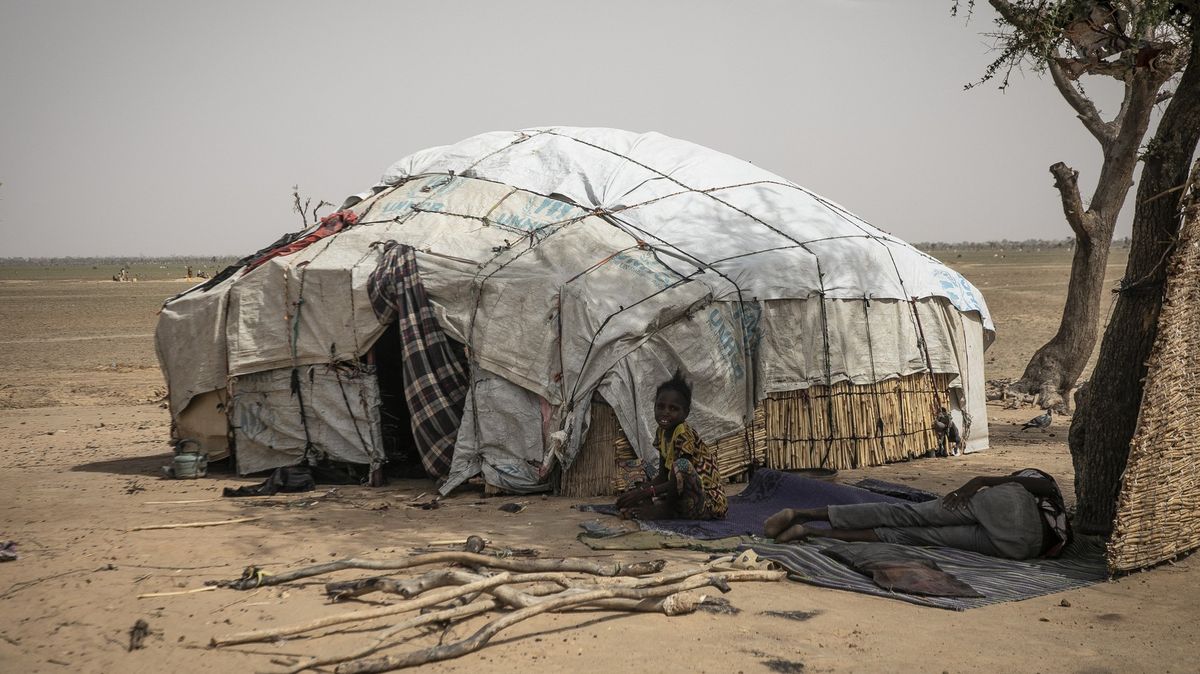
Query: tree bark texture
x,y
1057,365
1104,424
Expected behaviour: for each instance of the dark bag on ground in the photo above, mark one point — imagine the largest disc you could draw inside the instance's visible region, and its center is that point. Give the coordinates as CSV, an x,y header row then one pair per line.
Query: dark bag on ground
x,y
285,479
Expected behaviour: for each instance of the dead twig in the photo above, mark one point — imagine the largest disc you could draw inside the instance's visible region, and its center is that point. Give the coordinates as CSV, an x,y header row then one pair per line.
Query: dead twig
x,y
26,584
187,525
177,592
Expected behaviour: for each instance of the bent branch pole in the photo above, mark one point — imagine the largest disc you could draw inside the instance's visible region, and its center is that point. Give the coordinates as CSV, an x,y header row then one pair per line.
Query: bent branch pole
x,y
407,587
254,577
412,587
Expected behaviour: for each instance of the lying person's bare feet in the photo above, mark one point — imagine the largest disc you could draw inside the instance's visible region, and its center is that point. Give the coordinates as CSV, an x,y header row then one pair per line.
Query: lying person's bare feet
x,y
796,532
779,522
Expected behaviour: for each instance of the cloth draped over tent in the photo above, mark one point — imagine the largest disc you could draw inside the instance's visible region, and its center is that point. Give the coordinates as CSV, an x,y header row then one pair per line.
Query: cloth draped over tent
x,y
435,373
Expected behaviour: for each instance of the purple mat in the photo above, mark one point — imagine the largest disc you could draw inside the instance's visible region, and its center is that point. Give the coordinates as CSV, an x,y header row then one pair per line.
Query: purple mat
x,y
769,492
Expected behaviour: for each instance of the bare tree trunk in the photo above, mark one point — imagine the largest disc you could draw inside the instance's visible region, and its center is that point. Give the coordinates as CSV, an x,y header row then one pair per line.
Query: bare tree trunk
x,y
1055,367
1104,424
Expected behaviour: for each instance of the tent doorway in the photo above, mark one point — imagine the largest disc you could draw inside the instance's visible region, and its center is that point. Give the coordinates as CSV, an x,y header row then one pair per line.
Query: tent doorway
x,y
403,459
401,448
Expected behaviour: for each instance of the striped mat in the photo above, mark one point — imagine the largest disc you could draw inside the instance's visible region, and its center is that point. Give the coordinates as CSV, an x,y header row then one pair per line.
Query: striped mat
x,y
999,580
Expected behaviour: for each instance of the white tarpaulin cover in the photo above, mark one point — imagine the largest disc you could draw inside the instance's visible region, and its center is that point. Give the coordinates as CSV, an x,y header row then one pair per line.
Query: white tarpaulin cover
x,y
575,260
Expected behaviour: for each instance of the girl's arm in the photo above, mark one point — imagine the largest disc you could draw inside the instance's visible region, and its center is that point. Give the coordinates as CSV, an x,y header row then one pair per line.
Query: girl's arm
x,y
662,486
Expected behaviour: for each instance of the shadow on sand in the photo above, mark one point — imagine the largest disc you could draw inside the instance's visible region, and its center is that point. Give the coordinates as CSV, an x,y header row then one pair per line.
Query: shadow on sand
x,y
147,466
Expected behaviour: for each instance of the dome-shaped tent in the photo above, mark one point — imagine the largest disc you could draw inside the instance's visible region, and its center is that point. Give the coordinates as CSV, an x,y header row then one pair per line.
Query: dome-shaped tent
x,y
571,264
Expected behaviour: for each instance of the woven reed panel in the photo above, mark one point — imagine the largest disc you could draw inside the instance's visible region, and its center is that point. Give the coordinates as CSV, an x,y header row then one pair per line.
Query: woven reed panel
x,y
1158,510
848,426
736,452
595,468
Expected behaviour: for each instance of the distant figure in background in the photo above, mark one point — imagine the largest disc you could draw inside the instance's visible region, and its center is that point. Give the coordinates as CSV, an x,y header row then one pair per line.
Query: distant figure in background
x,y
189,271
1017,516
1041,422
688,484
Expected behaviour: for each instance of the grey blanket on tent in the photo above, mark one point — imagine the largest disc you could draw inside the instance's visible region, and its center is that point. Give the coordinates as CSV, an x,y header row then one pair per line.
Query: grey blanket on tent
x,y
998,580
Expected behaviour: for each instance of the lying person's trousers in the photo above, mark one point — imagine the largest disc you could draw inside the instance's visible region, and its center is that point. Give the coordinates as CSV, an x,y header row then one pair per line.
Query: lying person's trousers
x,y
1001,521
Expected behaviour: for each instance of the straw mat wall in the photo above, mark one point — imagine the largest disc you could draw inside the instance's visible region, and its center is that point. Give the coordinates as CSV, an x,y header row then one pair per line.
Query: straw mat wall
x,y
594,471
1158,511
848,426
842,426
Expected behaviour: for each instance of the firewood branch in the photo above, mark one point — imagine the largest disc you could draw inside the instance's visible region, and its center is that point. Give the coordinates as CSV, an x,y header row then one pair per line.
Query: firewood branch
x,y
429,599
565,600
253,577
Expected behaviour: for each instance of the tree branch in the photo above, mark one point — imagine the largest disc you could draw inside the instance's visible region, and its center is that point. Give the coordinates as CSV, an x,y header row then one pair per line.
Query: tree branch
x,y
1087,112
1009,13
1066,180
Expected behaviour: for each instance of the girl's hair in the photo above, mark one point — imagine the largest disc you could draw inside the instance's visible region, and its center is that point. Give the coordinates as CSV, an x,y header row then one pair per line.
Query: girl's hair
x,y
679,385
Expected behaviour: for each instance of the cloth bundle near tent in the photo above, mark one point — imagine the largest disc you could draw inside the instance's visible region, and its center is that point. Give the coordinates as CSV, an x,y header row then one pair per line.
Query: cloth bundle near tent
x,y
567,264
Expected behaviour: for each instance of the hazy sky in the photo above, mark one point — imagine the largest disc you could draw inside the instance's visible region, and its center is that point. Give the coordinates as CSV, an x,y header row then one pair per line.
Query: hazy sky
x,y
180,127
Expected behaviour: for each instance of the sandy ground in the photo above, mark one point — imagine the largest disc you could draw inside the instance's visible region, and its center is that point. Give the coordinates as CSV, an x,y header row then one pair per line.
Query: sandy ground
x,y
83,437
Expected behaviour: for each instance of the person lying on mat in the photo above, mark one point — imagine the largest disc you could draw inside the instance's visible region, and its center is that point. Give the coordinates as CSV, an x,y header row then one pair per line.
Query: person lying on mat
x,y
688,485
1017,516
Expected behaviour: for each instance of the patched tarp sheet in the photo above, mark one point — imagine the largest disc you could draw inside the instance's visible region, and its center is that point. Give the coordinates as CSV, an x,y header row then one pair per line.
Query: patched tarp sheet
x,y
341,411
714,208
576,260
501,436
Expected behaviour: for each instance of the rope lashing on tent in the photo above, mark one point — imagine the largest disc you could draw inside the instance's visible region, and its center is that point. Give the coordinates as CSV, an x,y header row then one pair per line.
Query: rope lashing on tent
x,y
828,370
296,386
879,425
688,188
923,346
666,248
337,373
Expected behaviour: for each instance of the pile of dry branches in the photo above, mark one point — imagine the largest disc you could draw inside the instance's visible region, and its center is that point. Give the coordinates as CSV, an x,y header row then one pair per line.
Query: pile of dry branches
x,y
478,583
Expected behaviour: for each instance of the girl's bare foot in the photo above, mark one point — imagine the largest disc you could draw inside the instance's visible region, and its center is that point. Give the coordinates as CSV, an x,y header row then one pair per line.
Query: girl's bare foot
x,y
779,522
795,532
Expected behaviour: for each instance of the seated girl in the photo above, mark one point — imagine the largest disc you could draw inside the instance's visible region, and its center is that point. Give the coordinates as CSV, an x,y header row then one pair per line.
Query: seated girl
x,y
688,485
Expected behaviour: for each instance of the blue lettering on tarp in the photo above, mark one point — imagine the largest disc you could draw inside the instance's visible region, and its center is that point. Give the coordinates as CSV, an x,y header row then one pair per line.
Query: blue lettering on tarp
x,y
398,207
727,344
749,314
423,195
960,291
628,262
535,213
